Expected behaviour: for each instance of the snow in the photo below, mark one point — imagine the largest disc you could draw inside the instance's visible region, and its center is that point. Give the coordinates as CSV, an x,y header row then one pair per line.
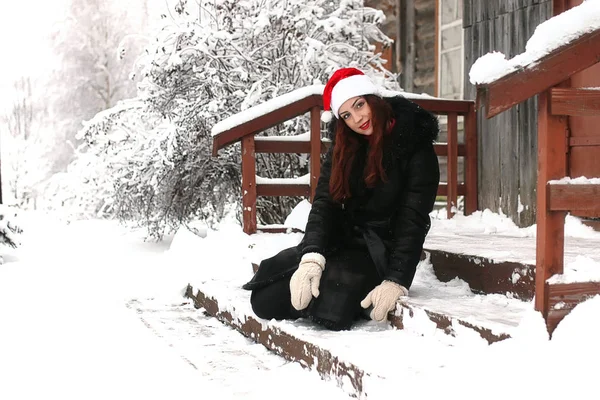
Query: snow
x,y
548,36
265,108
581,180
301,180
90,310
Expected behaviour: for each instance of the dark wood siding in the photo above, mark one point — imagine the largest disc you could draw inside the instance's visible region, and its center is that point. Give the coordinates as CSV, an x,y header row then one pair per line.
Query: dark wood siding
x,y
425,52
508,142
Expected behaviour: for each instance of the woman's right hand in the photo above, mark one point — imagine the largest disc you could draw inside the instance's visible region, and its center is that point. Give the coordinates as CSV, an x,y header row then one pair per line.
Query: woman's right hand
x,y
304,284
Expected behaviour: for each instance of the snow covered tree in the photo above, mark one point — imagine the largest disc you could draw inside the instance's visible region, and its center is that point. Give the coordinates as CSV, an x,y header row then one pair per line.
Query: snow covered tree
x,y
96,46
207,63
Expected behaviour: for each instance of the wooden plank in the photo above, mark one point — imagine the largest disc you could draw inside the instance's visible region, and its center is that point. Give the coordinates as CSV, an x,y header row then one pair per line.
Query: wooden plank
x,y
490,149
407,44
549,71
559,6
292,189
461,190
441,149
550,224
285,344
575,101
452,165
444,106
566,197
467,13
471,161
484,275
265,121
287,146
436,47
527,161
584,161
505,26
564,297
249,192
315,149
584,141
444,322
531,17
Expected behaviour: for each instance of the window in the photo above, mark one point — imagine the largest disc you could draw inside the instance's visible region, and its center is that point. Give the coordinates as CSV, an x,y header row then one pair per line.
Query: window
x,y
451,51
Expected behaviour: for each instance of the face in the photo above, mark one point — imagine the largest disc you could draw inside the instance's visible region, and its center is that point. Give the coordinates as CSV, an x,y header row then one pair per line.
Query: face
x,y
356,113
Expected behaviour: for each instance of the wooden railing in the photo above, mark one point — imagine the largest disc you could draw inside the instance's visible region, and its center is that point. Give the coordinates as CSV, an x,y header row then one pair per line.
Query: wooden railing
x,y
278,112
568,143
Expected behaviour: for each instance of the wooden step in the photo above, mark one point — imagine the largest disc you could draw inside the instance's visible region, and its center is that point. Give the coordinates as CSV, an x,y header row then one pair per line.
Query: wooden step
x,y
442,312
328,352
485,275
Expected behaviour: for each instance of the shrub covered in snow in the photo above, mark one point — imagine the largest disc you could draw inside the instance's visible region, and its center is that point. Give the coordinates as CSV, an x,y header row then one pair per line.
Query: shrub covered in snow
x,y
149,159
9,229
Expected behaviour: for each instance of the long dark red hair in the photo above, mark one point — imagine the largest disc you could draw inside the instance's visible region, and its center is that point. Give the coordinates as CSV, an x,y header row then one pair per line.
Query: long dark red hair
x,y
347,143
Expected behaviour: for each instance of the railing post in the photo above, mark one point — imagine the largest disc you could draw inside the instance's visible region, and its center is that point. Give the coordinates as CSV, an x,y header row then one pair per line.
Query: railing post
x,y
552,164
452,173
248,185
315,149
471,160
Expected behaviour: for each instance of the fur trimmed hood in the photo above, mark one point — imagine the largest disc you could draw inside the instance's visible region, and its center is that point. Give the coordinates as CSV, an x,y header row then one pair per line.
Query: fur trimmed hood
x,y
415,127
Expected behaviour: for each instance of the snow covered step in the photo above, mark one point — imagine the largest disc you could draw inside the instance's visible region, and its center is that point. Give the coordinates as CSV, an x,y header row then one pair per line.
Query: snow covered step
x,y
447,312
239,367
437,318
352,358
483,274
494,261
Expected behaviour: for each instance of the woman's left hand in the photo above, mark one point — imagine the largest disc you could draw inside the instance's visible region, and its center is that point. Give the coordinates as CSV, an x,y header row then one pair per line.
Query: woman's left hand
x,y
383,298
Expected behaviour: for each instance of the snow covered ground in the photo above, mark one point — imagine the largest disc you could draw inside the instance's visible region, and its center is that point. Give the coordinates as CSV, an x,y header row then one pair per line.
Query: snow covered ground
x,y
91,311
70,326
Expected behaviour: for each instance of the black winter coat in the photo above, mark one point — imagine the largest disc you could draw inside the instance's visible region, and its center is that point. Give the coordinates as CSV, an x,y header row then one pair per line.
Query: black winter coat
x,y
391,219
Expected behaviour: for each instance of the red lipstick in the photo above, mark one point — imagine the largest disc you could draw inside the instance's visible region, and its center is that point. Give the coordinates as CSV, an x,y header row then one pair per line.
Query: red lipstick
x,y
365,126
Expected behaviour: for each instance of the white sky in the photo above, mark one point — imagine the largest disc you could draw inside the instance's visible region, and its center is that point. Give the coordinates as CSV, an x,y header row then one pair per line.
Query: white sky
x,y
23,26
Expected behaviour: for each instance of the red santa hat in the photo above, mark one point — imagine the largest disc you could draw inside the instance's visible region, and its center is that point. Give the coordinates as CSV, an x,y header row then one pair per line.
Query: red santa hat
x,y
344,84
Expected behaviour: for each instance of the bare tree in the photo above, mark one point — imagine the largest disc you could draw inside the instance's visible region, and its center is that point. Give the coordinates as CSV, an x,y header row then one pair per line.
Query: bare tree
x,y
94,68
24,147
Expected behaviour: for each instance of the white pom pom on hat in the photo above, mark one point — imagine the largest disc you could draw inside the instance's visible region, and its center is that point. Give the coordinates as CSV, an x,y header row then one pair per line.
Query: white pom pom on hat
x,y
326,116
344,84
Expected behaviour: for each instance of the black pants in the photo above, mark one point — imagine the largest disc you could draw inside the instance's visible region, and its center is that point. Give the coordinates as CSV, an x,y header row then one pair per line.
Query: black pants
x,y
349,275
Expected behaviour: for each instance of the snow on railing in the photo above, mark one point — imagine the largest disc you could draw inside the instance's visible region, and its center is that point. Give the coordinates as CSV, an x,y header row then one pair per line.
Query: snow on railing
x,y
265,108
548,36
582,180
301,180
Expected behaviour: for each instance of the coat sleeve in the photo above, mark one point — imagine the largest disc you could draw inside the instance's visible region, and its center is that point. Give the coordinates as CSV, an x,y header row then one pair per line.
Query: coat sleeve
x,y
323,214
412,223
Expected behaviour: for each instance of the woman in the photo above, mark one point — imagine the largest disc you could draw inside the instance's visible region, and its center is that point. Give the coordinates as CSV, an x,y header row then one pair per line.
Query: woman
x,y
369,217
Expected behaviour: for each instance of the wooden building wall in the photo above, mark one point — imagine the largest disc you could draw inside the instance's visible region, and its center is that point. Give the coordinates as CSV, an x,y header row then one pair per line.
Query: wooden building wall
x,y
508,142
425,51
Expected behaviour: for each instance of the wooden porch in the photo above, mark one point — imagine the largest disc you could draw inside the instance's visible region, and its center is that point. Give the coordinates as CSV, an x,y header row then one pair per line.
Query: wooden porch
x,y
566,84
248,124
499,268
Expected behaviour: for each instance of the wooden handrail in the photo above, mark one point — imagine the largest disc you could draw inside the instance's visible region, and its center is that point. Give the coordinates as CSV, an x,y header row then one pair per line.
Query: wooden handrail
x,y
279,112
549,71
266,121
